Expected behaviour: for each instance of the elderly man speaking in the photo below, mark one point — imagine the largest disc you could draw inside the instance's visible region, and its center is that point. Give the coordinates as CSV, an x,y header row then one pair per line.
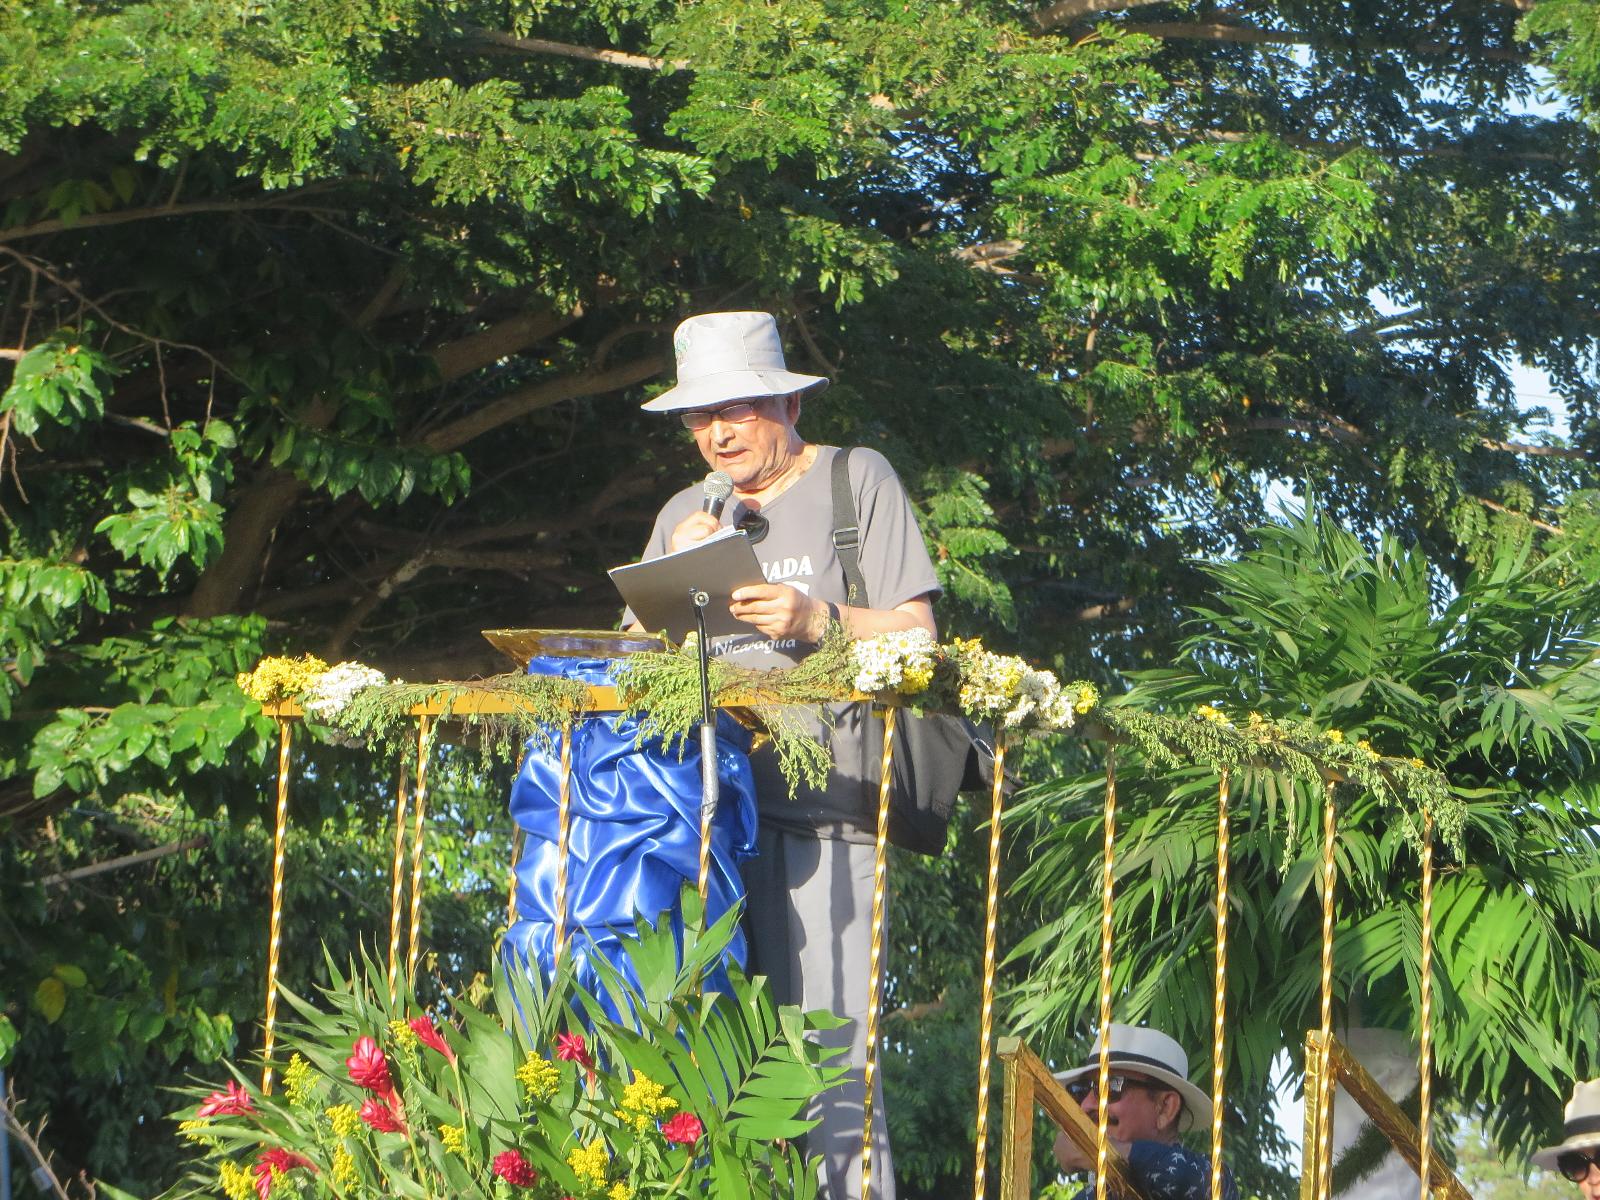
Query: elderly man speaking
x,y
810,885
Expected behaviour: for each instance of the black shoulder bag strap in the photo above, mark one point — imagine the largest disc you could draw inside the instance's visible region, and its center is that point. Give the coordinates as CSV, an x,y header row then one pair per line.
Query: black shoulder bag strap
x,y
847,532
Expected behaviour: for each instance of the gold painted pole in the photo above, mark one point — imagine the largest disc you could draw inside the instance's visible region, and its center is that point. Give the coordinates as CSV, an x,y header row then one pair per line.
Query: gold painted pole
x,y
275,923
1324,1107
1102,1143
511,886
419,803
397,889
1318,1061
1425,1066
706,814
990,924
880,876
563,841
1219,1029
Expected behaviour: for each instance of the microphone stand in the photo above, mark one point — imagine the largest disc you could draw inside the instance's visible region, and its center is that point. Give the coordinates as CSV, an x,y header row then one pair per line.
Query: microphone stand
x,y
709,783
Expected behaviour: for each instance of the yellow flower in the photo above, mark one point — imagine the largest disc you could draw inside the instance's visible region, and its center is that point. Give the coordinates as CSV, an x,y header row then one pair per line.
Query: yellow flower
x,y
1419,764
344,1119
1366,747
1334,736
915,679
620,1191
1214,715
538,1077
280,678
589,1162
1256,720
454,1138
194,1131
299,1081
1088,697
344,1167
404,1036
236,1181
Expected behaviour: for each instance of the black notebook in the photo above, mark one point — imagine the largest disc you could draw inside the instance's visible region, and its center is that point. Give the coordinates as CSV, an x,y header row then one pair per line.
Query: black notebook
x,y
660,590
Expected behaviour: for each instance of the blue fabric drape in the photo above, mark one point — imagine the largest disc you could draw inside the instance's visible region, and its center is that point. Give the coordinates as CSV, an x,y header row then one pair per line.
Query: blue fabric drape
x,y
634,839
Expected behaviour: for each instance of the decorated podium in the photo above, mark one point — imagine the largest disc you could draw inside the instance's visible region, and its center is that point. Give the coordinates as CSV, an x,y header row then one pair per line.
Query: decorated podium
x,y
621,1051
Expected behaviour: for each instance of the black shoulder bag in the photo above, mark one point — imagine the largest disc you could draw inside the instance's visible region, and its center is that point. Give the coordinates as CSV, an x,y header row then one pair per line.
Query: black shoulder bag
x,y
935,756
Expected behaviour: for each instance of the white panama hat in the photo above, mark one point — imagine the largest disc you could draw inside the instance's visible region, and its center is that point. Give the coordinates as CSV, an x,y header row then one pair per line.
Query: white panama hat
x,y
1149,1052
1582,1126
727,356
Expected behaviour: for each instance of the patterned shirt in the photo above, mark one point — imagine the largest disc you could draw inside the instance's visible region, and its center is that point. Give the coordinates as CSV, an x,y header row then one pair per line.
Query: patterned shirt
x,y
1170,1172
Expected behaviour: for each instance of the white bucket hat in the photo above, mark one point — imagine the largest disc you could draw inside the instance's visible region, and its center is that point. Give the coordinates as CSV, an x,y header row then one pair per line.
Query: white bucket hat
x,y
727,356
1149,1052
1582,1126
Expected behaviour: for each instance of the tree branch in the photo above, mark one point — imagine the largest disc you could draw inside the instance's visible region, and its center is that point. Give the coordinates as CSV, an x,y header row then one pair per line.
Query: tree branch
x,y
519,403
126,860
1220,31
1065,12
511,336
614,58
1511,512
123,216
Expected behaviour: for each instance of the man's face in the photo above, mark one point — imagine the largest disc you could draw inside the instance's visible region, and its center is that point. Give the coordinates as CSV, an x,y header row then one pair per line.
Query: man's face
x,y
756,451
1589,1185
1146,1111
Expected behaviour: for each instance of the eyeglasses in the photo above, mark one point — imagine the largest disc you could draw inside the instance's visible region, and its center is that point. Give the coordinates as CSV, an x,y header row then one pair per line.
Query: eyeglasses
x,y
1080,1088
1575,1164
731,414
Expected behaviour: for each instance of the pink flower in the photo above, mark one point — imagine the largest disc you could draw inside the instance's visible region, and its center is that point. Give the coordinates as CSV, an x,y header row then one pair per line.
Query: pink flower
x,y
279,1160
369,1068
380,1116
514,1169
429,1036
572,1048
683,1130
234,1102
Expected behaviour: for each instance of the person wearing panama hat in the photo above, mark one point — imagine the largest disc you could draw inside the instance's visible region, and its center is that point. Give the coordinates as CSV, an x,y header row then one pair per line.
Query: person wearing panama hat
x,y
809,888
1151,1102
1577,1155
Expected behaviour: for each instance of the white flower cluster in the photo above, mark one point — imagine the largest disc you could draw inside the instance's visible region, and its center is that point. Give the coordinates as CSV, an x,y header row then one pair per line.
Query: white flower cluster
x,y
901,661
1007,689
326,698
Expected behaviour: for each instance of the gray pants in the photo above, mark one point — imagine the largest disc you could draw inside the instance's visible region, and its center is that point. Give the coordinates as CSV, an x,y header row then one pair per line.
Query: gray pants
x,y
810,926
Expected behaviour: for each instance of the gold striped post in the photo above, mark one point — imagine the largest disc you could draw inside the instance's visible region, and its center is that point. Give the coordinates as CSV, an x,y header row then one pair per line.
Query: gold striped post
x,y
1102,1142
275,922
1219,1029
563,841
880,876
991,923
1425,1065
419,805
397,890
1324,1157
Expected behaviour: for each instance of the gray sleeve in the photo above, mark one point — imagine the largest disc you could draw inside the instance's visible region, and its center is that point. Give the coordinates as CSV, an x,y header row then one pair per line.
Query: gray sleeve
x,y
894,558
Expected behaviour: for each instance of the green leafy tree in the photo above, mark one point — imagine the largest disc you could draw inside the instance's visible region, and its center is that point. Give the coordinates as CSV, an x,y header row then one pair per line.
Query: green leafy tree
x,y
1494,680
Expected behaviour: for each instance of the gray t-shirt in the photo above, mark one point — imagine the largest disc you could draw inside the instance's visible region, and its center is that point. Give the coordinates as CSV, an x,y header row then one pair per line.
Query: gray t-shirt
x,y
798,550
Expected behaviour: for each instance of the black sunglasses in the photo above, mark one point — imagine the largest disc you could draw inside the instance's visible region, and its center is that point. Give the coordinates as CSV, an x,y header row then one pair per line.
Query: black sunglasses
x,y
1575,1164
1080,1087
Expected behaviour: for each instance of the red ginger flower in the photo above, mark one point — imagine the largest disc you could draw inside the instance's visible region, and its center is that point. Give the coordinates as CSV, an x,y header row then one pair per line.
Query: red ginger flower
x,y
276,1160
380,1116
369,1068
429,1036
514,1169
572,1048
683,1130
234,1102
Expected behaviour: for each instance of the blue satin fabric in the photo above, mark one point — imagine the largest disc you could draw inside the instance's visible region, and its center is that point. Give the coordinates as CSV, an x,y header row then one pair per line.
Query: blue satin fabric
x,y
634,837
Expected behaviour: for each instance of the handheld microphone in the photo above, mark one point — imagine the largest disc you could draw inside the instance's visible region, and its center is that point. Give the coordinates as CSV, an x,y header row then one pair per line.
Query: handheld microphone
x,y
715,492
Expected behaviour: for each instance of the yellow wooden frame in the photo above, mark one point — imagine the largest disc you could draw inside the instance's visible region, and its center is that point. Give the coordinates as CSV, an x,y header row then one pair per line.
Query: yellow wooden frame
x,y
1028,1082
1400,1130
